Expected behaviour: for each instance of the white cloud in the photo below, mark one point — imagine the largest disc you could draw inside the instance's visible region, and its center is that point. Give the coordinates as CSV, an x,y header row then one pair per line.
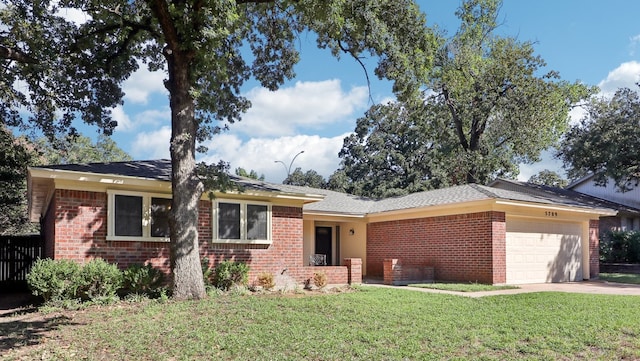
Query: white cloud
x,y
576,114
261,154
142,84
634,41
305,105
548,161
152,145
76,16
149,117
124,122
625,75
154,117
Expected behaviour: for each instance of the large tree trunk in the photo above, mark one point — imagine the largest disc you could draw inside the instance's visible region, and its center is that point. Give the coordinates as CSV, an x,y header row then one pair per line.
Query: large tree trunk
x,y
186,186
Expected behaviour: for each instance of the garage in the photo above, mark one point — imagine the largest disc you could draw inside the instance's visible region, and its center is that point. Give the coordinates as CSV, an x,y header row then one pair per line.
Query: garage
x,y
539,251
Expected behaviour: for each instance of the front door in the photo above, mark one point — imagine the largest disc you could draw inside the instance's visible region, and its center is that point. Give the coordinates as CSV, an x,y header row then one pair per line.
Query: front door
x,y
323,242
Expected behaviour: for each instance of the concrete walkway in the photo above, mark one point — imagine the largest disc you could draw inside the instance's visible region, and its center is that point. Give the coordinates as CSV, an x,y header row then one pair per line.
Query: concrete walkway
x,y
590,287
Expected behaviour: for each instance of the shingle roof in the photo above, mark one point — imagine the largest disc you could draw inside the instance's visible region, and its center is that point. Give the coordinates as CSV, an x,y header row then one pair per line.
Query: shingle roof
x,y
334,202
342,203
567,196
159,169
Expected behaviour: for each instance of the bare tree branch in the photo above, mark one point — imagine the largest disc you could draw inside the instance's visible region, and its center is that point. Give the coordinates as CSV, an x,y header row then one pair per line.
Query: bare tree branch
x,y
366,73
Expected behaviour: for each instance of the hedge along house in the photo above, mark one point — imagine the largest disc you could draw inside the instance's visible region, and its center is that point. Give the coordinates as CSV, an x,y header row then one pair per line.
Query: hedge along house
x,y
118,212
467,233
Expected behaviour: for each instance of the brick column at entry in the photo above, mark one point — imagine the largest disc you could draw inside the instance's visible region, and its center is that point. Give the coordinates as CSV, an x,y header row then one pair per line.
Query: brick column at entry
x,y
354,270
392,270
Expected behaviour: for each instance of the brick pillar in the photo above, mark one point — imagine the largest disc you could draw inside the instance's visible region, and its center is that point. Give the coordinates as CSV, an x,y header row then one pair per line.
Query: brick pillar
x,y
354,270
392,271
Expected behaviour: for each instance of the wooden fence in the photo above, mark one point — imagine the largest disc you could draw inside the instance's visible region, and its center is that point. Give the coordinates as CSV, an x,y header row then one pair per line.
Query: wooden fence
x,y
17,254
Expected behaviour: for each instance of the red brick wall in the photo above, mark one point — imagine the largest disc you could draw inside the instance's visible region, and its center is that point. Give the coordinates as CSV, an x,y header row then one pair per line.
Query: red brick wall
x,y
594,249
48,230
499,249
81,228
81,233
460,247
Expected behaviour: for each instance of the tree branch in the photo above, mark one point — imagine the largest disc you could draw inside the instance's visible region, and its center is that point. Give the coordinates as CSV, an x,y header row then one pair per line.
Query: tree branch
x,y
366,73
17,55
160,9
456,118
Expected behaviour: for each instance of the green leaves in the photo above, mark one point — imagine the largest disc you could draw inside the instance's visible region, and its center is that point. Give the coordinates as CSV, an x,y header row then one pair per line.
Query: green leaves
x,y
606,141
486,108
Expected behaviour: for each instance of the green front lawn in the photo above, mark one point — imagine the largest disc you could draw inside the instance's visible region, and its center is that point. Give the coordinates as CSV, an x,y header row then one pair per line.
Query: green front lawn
x,y
369,324
620,278
462,287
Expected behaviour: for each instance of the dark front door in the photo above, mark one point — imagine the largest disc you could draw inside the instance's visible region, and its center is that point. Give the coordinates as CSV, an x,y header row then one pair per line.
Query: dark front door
x,y
323,242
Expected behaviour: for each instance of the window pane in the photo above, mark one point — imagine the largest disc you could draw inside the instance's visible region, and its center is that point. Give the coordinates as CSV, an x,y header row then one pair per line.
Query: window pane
x,y
228,221
128,216
160,217
256,221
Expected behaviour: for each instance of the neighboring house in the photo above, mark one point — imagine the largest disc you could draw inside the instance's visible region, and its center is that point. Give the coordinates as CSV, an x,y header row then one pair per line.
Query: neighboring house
x,y
117,211
631,199
626,218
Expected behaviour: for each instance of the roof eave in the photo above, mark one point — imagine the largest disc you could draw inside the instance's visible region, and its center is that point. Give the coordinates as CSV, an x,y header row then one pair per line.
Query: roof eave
x,y
556,206
335,214
115,179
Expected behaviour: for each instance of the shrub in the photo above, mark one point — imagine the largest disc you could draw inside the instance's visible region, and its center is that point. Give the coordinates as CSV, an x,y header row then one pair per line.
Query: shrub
x,y
620,246
266,281
54,280
142,279
99,281
320,279
207,272
230,273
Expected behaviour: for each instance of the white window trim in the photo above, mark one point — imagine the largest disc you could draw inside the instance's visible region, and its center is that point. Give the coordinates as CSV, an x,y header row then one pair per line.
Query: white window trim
x,y
146,216
243,222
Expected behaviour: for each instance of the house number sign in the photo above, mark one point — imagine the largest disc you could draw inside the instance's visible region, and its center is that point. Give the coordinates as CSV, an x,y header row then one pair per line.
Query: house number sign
x,y
550,214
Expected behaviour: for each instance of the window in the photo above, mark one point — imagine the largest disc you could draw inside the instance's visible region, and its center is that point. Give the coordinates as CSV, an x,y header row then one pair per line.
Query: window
x,y
160,217
128,216
136,216
242,222
228,221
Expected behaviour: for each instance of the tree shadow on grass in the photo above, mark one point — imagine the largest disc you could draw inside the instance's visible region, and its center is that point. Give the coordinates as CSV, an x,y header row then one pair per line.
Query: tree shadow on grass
x,y
16,332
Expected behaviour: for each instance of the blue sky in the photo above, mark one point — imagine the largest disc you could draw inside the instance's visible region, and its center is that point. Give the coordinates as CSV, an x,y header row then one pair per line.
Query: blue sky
x,y
595,42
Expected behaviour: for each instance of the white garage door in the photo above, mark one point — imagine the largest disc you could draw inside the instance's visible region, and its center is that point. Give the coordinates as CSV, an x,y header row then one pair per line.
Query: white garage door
x,y
542,251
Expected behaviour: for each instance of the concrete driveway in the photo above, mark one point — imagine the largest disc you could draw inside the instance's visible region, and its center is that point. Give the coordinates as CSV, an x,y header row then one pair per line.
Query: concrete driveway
x,y
591,287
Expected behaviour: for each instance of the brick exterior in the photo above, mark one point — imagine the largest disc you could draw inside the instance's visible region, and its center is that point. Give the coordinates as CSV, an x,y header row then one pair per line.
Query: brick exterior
x,y
354,267
594,249
75,228
464,247
395,273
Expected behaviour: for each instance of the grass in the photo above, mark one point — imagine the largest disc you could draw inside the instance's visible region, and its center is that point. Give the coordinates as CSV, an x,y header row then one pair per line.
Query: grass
x,y
621,277
370,324
462,287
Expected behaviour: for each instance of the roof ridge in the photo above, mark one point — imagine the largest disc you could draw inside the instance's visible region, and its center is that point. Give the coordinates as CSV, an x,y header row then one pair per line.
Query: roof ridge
x,y
483,189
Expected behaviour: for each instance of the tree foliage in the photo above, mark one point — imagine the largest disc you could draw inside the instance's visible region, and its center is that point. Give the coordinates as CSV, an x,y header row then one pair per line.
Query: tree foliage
x,y
548,178
485,109
605,142
208,49
389,154
251,174
79,149
15,156
310,178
